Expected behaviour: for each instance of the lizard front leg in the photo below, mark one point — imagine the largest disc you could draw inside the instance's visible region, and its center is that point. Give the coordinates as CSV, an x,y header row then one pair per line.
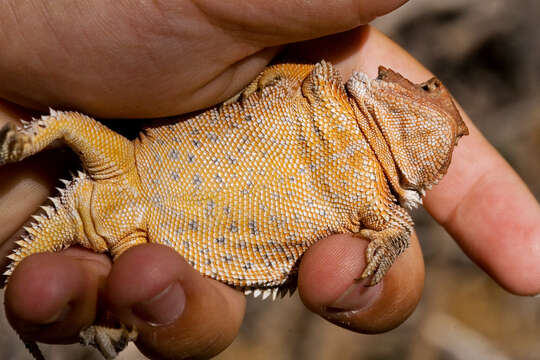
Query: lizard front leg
x,y
291,72
389,232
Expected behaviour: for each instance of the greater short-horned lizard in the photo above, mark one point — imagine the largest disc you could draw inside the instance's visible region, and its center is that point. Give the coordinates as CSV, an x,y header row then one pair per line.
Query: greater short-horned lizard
x,y
243,189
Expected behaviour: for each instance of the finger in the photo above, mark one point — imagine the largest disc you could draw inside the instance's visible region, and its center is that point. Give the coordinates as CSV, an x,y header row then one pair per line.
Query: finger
x,y
478,199
281,22
23,188
52,296
488,209
327,285
177,312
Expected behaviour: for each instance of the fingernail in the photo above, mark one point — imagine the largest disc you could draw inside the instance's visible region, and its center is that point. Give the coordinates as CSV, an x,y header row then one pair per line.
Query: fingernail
x,y
164,308
358,296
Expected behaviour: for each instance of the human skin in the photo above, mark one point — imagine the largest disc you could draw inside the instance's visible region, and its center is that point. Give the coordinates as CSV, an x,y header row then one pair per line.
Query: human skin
x,y
229,48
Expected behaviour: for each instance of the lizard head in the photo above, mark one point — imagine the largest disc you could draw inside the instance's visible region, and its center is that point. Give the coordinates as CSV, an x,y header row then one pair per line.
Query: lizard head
x,y
419,122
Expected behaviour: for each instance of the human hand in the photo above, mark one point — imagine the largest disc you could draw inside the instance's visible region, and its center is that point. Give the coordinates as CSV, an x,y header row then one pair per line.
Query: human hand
x,y
154,58
327,269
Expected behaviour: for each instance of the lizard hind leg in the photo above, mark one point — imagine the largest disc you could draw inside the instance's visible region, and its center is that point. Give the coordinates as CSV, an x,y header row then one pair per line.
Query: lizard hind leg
x,y
58,227
104,153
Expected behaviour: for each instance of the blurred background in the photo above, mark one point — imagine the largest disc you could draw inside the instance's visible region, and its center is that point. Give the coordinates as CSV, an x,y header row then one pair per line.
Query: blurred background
x,y
488,54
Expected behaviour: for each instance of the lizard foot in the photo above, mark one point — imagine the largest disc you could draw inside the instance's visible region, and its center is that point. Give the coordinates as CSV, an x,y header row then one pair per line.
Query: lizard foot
x,y
380,256
12,144
256,85
109,341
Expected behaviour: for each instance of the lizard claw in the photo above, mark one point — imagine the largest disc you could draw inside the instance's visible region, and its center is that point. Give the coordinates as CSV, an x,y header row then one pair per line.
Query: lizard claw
x,y
379,256
109,341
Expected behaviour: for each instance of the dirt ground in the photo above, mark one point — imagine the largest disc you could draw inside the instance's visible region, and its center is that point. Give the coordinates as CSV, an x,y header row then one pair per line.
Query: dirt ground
x,y
488,54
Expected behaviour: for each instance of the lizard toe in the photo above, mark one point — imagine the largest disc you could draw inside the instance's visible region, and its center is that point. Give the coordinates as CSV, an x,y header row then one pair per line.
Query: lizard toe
x,y
109,341
12,144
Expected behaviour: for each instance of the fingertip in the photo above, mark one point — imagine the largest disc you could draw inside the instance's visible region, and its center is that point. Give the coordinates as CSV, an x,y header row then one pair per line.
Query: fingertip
x,y
174,309
153,266
50,297
328,285
491,214
40,285
327,269
514,266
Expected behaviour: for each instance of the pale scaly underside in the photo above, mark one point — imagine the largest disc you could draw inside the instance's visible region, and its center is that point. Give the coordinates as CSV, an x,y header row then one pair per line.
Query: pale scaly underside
x,y
241,191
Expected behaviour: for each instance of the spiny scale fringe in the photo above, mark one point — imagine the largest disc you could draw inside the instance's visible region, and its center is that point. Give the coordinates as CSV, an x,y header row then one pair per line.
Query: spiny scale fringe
x,y
267,292
29,127
33,229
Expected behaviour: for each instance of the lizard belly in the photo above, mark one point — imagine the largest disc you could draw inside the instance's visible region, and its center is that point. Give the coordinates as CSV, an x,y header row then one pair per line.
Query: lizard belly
x,y
241,205
250,238
241,196
246,226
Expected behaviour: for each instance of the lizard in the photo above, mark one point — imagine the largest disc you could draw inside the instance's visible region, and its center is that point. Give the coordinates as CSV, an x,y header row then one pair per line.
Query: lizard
x,y
243,189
